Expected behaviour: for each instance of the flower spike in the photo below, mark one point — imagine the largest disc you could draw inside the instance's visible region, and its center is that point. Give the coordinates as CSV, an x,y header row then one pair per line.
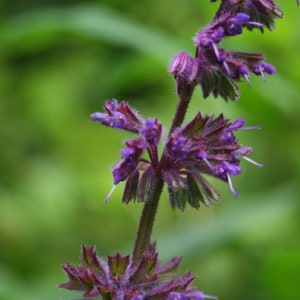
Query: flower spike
x,y
206,146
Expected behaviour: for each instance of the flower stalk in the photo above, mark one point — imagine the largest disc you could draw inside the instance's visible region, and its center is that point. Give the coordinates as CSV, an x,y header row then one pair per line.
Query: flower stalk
x,y
147,219
205,146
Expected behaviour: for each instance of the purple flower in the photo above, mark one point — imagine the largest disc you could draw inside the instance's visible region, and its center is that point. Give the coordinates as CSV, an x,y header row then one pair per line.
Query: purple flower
x,y
235,25
261,67
119,115
215,69
262,11
206,145
218,69
130,159
230,23
176,146
227,134
151,131
189,296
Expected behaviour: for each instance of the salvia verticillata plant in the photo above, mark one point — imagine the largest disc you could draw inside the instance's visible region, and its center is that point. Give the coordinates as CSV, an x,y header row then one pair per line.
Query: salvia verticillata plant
x,y
203,147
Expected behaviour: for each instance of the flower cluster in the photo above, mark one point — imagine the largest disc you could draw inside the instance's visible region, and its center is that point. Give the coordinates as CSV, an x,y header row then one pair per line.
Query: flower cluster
x,y
120,278
205,146
263,11
215,69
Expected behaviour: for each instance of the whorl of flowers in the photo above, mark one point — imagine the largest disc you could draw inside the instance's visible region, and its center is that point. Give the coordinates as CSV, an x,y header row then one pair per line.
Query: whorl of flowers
x,y
119,278
205,146
215,69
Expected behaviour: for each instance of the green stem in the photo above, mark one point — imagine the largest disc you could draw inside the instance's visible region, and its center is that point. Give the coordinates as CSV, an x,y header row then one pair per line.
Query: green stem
x,y
147,219
143,238
182,109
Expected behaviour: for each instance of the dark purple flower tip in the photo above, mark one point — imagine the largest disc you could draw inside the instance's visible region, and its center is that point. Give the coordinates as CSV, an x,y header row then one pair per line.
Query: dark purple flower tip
x,y
240,18
261,67
130,158
177,296
98,117
224,170
244,71
269,69
126,152
118,120
122,170
232,169
227,134
119,115
181,65
151,131
235,25
176,146
237,124
218,35
234,28
189,296
201,296
130,155
202,39
202,154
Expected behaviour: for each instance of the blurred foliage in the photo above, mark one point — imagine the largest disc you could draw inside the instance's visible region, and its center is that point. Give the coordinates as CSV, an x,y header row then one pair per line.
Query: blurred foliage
x,y
59,61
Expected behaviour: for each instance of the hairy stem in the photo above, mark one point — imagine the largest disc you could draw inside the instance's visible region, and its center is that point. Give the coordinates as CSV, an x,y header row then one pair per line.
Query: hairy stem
x,y
147,219
181,110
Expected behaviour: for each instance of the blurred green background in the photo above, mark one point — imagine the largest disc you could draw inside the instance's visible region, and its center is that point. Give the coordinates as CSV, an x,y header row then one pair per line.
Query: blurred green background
x,y
59,61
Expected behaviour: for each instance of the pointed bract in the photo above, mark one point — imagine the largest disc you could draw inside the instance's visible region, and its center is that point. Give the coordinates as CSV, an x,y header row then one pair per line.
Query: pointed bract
x,y
122,279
